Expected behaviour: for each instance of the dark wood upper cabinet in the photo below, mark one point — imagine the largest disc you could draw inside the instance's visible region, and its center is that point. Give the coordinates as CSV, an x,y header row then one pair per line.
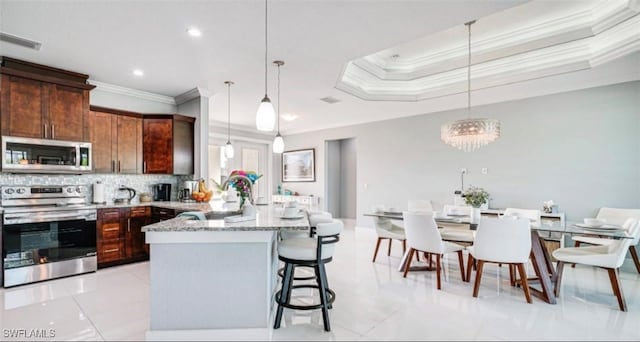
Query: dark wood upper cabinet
x,y
168,144
116,137
22,107
43,102
158,145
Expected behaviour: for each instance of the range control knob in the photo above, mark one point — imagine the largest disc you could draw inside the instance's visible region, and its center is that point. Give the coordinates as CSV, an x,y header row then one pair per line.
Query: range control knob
x,y
79,190
69,190
9,191
21,190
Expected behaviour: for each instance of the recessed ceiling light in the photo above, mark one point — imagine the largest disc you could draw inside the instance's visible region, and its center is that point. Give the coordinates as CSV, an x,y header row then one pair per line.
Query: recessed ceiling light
x,y
194,32
395,56
288,116
138,72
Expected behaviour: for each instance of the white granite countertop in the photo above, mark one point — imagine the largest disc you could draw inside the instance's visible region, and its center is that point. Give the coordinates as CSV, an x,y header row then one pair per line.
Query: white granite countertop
x,y
267,218
213,206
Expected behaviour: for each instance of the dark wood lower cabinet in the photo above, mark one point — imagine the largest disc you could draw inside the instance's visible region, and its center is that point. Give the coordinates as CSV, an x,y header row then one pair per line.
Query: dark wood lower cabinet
x,y
120,236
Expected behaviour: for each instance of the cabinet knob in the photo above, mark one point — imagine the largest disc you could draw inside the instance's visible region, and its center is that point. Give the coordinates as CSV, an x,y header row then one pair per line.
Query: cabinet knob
x,y
45,130
53,131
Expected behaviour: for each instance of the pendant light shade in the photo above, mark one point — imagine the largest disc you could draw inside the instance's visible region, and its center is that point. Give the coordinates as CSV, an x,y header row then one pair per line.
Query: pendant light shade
x,y
278,142
470,134
266,116
228,148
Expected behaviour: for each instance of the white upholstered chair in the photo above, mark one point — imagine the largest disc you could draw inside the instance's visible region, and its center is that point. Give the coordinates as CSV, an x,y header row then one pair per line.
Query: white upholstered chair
x,y
504,241
423,236
624,217
420,206
387,230
532,214
609,257
456,232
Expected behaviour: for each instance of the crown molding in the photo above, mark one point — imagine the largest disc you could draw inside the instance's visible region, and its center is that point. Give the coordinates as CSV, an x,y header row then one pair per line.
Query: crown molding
x,y
363,79
144,95
192,94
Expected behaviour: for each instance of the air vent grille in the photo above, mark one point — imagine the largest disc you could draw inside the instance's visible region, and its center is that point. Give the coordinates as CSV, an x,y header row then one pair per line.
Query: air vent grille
x,y
330,100
9,38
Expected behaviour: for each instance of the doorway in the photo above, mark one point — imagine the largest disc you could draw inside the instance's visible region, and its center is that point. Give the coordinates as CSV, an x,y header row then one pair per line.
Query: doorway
x,y
341,173
248,156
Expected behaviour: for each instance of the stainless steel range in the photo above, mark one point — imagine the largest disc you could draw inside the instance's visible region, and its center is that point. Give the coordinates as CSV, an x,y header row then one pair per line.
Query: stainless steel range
x,y
48,232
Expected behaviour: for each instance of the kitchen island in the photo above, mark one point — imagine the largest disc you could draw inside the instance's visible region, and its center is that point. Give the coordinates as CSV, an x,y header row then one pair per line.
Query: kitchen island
x,y
212,278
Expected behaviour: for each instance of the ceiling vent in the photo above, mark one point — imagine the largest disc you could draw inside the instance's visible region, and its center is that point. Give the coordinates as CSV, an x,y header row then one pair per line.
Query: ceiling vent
x,y
330,100
9,38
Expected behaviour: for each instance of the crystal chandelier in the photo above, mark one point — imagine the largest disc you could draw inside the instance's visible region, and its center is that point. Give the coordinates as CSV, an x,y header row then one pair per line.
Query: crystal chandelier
x,y
470,134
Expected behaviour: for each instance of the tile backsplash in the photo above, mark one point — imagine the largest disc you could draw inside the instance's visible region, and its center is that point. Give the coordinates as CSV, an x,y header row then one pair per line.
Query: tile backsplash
x,y
141,183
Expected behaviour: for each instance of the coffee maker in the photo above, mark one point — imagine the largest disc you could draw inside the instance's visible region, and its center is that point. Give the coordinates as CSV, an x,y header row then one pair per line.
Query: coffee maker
x,y
188,188
162,192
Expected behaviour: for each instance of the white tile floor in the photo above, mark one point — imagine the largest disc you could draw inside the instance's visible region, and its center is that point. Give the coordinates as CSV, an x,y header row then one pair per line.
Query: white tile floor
x,y
373,302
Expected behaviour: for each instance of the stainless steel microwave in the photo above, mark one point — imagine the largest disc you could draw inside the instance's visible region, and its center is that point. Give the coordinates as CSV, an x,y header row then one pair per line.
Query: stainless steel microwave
x,y
29,155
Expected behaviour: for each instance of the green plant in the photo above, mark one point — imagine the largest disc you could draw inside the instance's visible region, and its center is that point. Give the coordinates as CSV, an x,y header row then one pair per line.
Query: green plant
x,y
475,196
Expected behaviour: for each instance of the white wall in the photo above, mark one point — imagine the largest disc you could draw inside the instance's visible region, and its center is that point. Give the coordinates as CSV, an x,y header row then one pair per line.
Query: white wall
x,y
334,181
107,99
348,178
580,149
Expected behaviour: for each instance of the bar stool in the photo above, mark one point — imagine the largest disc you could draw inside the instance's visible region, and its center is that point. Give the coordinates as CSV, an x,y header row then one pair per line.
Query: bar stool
x,y
314,219
310,252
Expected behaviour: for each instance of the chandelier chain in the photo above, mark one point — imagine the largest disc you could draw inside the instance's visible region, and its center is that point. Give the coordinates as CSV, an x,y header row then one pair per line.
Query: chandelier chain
x,y
266,16
278,64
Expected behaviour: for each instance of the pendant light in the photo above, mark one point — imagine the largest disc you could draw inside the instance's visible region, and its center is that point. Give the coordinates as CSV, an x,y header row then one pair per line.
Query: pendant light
x,y
278,142
470,134
228,148
266,116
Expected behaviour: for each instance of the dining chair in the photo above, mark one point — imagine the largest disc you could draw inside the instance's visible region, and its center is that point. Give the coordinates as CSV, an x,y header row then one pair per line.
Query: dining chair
x,y
387,230
456,232
609,257
501,241
615,216
420,206
423,236
532,214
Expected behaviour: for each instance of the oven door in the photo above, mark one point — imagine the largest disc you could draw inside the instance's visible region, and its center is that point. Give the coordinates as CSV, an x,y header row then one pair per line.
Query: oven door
x,y
44,250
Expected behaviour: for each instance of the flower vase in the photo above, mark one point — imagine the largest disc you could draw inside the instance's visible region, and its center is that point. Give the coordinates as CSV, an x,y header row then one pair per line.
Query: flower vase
x,y
242,199
475,215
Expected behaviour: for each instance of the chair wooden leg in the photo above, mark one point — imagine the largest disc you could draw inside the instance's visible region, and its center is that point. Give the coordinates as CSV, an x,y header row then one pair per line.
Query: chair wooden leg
x,y
408,265
525,284
461,262
476,286
375,253
634,256
617,288
430,259
389,250
559,271
404,246
470,262
576,244
512,278
438,269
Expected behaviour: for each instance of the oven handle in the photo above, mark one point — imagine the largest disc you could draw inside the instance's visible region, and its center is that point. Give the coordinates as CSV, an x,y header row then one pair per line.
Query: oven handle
x,y
30,218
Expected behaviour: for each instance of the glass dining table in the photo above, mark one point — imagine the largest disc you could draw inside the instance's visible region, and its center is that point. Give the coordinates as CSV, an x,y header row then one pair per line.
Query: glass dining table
x,y
541,259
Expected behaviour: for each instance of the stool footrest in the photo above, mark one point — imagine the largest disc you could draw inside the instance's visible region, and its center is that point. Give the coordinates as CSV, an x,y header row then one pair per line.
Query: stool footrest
x,y
330,294
281,274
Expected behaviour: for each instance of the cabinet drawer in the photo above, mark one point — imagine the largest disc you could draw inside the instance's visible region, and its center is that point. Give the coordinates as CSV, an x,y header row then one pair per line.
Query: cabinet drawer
x,y
163,214
140,212
110,230
111,250
110,215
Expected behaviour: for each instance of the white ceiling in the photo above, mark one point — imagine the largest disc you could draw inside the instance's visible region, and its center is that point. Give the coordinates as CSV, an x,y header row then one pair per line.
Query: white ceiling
x,y
316,39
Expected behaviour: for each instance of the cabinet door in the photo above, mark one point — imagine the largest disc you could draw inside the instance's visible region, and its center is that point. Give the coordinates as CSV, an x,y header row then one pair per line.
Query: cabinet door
x,y
23,105
158,145
68,110
103,142
129,145
182,147
135,237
